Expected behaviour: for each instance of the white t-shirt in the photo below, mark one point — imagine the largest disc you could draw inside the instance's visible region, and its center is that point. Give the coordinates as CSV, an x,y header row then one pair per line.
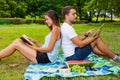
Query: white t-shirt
x,y
67,34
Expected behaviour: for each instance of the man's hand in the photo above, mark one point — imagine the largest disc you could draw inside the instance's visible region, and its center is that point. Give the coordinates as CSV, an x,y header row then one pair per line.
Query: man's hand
x,y
96,35
89,33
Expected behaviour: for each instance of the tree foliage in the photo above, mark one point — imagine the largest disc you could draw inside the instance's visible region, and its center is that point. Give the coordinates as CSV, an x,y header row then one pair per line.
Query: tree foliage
x,y
22,8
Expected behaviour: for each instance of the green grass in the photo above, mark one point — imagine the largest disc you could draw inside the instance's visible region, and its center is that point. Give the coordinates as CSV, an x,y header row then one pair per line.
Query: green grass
x,y
8,33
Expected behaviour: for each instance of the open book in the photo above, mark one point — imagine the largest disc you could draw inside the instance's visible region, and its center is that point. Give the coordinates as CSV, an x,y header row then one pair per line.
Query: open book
x,y
25,39
98,31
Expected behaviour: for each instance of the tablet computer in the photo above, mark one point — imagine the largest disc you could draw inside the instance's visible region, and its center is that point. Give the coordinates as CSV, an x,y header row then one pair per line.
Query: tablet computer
x,y
99,30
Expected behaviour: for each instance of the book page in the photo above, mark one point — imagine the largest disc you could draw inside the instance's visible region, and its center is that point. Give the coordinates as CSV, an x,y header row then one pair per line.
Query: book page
x,y
26,40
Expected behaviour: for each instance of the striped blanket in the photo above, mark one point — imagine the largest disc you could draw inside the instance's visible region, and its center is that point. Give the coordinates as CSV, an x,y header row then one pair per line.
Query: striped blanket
x,y
101,67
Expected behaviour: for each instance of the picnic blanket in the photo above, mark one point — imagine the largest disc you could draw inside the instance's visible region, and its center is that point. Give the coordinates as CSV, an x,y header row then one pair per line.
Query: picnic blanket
x,y
101,67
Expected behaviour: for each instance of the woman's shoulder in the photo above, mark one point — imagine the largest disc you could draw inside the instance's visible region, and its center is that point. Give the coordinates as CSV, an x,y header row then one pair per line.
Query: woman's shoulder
x,y
57,32
56,29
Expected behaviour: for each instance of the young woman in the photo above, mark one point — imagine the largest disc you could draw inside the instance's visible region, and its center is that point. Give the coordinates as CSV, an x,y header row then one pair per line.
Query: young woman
x,y
45,53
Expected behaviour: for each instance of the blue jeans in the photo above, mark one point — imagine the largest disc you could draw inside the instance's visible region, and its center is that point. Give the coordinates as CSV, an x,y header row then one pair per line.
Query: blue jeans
x,y
80,53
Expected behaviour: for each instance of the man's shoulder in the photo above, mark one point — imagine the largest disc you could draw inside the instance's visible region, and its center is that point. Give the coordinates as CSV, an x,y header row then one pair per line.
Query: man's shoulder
x,y
65,25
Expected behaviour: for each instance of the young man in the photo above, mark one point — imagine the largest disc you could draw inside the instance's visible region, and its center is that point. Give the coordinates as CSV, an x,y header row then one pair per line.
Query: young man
x,y
79,47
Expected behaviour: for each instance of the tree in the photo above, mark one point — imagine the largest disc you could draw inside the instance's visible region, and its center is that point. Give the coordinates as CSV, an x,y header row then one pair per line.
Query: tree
x,y
116,7
20,10
12,6
95,5
80,8
4,11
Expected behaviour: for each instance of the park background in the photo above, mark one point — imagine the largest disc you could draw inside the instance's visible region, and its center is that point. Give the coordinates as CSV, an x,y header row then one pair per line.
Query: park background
x,y
19,17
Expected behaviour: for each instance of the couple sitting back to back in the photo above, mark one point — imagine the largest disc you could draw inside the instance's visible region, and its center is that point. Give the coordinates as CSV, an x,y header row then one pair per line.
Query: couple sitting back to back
x,y
74,47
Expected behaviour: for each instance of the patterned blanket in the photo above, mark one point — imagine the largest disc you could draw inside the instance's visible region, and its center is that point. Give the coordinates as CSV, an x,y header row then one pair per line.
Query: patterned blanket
x,y
101,67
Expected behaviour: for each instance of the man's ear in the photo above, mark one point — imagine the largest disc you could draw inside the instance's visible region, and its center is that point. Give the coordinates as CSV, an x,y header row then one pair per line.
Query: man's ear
x,y
66,16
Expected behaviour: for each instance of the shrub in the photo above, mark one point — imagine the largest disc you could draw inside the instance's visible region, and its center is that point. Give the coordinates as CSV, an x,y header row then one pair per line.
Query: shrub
x,y
40,21
18,21
29,19
4,21
12,20
35,19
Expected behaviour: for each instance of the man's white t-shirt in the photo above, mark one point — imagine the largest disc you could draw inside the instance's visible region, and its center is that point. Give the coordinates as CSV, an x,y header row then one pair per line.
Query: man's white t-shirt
x,y
67,34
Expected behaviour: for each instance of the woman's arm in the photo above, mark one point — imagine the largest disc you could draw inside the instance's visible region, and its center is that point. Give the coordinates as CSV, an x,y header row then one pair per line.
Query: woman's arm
x,y
54,37
35,42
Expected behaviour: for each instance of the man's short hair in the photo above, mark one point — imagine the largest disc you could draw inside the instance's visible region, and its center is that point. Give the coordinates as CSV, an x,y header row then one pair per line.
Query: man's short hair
x,y
66,10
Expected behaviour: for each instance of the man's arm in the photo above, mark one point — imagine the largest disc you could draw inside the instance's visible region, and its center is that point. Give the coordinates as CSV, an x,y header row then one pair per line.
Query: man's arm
x,y
83,37
82,43
87,34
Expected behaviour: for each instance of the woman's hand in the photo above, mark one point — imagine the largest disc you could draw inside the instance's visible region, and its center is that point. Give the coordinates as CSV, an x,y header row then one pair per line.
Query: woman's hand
x,y
33,47
38,44
32,40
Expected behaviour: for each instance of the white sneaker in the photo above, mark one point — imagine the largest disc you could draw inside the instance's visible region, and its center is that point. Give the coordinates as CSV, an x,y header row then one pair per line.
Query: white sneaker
x,y
117,59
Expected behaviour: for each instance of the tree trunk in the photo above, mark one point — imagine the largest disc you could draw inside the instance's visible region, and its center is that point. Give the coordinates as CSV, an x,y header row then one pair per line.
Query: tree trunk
x,y
90,19
97,16
104,15
111,15
79,9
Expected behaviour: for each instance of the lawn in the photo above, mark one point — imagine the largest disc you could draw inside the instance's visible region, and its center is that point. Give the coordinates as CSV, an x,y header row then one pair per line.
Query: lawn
x,y
8,33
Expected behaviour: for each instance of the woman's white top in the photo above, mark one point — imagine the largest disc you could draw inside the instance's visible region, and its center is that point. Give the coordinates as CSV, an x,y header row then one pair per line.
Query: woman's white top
x,y
53,54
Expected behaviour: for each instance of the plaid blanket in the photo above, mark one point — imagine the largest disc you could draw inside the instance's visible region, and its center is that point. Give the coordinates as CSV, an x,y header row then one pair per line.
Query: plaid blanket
x,y
101,67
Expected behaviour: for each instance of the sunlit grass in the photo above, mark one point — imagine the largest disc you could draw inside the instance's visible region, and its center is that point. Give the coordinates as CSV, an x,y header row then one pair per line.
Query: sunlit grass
x,y
106,19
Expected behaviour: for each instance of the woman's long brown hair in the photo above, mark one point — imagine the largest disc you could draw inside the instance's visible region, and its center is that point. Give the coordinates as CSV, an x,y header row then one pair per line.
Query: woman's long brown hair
x,y
54,17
